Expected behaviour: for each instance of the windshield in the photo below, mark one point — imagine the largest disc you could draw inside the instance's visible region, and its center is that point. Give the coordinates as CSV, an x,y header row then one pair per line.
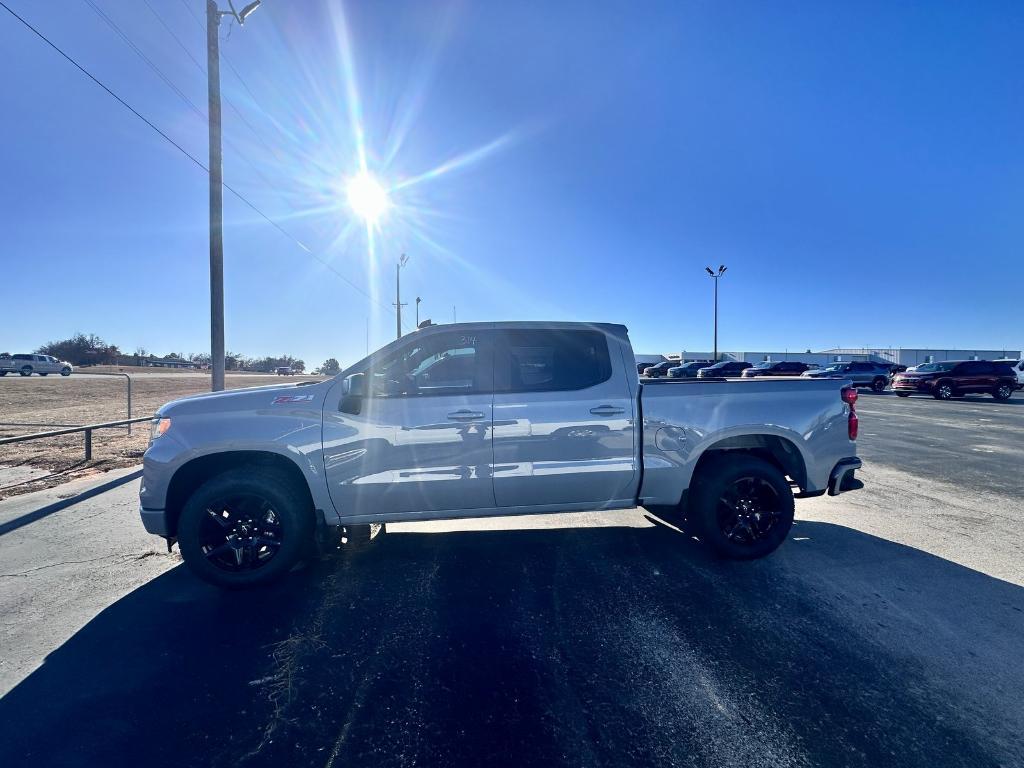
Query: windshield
x,y
933,367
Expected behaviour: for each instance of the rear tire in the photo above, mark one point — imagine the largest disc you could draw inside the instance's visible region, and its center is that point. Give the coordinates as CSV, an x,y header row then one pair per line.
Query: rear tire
x,y
1003,392
943,391
879,384
242,529
742,507
26,371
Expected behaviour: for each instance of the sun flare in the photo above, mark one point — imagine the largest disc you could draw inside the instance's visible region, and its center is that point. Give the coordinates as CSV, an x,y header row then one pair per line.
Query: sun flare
x,y
367,197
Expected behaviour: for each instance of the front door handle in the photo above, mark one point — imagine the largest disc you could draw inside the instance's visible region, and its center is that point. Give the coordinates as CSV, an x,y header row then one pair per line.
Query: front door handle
x,y
465,415
607,410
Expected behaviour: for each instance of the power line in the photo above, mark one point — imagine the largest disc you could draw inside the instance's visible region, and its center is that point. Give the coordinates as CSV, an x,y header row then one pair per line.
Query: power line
x,y
190,156
149,62
141,54
202,69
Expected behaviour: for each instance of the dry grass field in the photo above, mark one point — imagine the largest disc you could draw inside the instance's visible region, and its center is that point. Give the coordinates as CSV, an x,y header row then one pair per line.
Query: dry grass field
x,y
27,404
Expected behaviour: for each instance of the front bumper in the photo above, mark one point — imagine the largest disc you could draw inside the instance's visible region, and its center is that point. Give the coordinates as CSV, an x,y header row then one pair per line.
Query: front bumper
x,y
154,521
919,385
843,478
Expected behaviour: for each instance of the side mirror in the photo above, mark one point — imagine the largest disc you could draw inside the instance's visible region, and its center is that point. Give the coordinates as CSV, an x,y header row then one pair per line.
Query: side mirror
x,y
353,390
354,385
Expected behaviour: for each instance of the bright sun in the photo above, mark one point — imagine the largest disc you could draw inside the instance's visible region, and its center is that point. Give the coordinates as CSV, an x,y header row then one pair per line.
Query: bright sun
x,y
367,197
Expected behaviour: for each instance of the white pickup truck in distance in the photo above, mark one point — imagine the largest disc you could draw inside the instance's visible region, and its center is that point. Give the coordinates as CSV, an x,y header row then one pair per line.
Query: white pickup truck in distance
x,y
481,419
26,365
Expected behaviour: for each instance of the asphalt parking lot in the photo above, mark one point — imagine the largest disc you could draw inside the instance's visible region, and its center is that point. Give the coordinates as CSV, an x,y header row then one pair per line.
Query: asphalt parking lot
x,y
888,631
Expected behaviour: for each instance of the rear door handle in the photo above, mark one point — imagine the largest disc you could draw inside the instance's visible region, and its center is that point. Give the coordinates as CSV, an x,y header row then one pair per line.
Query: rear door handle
x,y
607,410
465,415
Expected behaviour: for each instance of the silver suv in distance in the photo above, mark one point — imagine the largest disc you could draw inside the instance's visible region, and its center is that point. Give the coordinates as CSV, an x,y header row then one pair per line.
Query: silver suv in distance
x,y
862,374
26,365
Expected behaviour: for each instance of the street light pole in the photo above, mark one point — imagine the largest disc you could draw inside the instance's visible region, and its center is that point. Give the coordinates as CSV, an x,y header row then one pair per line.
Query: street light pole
x,y
398,293
213,14
418,300
721,271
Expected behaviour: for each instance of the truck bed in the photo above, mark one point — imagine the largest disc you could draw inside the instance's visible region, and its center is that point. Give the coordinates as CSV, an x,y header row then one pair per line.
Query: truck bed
x,y
802,420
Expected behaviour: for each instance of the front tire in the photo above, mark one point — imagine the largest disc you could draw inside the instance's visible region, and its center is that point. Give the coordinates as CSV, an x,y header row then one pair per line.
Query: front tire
x,y
26,371
879,385
241,529
742,507
65,371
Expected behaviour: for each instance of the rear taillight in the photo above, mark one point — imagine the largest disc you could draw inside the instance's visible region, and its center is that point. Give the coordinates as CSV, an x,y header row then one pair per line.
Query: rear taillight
x,y
849,396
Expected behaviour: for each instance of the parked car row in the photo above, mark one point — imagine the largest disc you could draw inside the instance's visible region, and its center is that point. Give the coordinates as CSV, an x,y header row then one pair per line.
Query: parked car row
x,y
26,365
945,380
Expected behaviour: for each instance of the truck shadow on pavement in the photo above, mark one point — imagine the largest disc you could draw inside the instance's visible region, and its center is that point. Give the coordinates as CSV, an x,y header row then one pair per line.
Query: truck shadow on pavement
x,y
584,646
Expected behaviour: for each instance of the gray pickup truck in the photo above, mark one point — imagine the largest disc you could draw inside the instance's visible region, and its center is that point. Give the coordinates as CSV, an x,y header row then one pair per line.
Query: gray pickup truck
x,y
482,419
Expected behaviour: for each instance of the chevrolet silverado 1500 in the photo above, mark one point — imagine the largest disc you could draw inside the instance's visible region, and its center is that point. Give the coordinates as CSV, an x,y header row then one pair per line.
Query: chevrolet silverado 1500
x,y
480,419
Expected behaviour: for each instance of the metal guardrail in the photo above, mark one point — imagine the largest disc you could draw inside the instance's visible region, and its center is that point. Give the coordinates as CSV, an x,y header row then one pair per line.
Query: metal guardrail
x,y
87,429
128,379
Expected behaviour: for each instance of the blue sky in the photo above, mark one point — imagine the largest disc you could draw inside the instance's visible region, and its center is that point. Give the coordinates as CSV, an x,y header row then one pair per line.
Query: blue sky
x,y
858,166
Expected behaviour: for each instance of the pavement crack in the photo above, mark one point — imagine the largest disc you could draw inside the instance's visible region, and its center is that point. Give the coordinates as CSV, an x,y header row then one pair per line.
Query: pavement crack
x,y
27,572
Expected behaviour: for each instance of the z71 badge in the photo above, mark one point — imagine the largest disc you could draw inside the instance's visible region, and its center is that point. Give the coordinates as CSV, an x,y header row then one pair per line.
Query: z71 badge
x,y
286,399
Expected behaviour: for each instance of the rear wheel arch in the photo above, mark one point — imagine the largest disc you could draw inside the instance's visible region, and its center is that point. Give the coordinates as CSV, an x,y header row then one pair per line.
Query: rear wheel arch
x,y
775,449
191,475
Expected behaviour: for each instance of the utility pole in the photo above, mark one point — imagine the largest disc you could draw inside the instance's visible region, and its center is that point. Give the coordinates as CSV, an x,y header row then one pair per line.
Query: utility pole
x,y
721,271
213,15
398,292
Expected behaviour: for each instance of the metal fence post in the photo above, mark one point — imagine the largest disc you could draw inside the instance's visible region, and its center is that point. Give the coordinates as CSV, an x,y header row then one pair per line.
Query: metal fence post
x,y
88,444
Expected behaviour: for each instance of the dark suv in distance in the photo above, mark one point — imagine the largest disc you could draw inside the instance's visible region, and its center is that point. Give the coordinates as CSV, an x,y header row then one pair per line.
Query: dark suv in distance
x,y
659,369
687,370
725,369
783,368
862,374
954,378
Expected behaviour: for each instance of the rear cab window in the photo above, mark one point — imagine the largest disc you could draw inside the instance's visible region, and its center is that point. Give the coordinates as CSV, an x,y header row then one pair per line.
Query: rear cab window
x,y
550,360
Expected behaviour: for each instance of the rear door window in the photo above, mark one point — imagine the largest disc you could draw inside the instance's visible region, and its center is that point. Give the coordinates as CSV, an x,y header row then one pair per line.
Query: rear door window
x,y
551,360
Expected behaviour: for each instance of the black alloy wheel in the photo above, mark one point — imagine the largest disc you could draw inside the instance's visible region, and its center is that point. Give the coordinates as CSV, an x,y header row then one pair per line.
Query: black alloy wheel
x,y
240,533
740,505
748,510
246,527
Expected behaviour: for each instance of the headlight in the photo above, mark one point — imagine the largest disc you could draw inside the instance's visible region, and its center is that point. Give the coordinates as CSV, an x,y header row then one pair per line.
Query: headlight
x,y
158,427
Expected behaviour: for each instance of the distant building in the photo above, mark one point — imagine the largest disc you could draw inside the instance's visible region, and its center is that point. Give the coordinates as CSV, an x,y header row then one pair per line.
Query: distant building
x,y
168,362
